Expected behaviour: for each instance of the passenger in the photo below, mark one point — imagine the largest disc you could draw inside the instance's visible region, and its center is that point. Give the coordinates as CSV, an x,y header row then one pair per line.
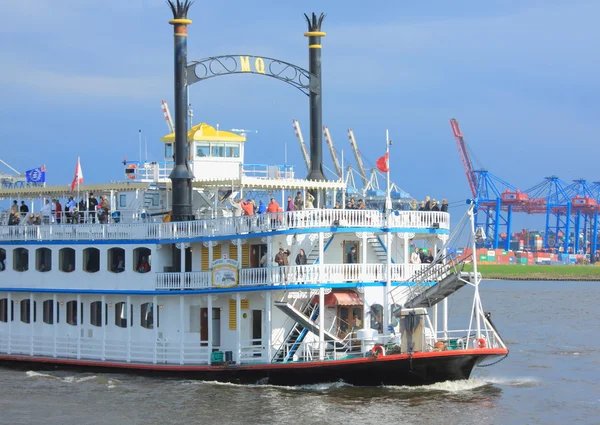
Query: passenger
x,y
144,266
58,211
291,206
357,322
30,220
24,209
415,258
413,205
38,219
427,204
282,261
352,256
15,207
46,212
247,207
298,202
309,201
92,204
301,260
273,209
434,205
262,208
69,208
337,206
236,207
444,207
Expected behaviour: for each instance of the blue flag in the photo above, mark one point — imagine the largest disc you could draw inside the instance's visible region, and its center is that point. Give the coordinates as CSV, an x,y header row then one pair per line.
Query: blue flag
x,y
37,175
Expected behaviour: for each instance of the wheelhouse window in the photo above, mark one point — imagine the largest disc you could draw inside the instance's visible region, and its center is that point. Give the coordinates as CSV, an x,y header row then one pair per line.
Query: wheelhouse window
x,y
142,260
20,259
96,313
26,311
202,149
91,260
43,259
66,260
2,259
116,260
232,151
121,314
168,150
48,311
4,305
147,316
72,313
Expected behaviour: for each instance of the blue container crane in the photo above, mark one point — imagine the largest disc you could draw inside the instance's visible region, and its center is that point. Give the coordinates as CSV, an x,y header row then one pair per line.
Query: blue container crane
x,y
493,194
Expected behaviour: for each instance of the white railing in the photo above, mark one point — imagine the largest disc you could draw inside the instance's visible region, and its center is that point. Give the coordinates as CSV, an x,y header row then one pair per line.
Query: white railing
x,y
317,218
189,280
288,275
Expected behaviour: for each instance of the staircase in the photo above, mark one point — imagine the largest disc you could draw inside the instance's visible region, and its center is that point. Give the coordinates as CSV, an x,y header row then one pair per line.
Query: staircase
x,y
379,248
296,335
313,256
304,324
432,284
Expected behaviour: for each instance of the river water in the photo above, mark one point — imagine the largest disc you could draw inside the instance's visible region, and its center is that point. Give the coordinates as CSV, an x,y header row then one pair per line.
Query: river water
x,y
550,377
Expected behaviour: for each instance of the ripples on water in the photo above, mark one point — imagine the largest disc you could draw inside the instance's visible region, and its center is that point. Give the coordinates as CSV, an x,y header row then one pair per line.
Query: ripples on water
x,y
550,377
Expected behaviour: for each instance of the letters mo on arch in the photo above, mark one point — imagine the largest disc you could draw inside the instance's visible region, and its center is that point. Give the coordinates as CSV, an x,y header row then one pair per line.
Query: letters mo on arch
x,y
215,66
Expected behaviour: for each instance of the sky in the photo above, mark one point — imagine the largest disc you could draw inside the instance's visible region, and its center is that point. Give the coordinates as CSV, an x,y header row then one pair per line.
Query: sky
x,y
81,78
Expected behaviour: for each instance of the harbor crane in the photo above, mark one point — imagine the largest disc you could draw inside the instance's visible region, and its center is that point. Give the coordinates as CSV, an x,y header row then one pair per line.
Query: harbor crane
x,y
167,114
336,162
359,161
302,144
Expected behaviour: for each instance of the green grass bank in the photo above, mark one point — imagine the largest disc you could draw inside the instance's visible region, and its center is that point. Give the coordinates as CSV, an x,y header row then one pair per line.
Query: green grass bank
x,y
533,272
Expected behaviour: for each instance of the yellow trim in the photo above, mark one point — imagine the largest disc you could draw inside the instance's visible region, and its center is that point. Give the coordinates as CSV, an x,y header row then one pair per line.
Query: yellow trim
x,y
180,21
314,46
180,35
315,34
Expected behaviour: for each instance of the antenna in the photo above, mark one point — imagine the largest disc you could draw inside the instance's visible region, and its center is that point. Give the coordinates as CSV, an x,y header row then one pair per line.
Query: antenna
x,y
243,131
146,143
140,143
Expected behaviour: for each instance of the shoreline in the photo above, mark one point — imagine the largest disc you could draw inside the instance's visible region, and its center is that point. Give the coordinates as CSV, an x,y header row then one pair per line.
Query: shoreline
x,y
574,272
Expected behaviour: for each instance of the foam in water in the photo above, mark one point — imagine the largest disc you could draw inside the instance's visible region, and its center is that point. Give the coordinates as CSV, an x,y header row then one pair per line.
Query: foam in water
x,y
33,374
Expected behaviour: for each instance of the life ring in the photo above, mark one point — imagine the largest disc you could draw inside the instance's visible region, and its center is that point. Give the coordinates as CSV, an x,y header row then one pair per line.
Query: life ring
x,y
131,171
377,351
481,343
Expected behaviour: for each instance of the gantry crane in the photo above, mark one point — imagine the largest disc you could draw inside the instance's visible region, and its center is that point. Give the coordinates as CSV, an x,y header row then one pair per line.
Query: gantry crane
x,y
336,163
167,114
302,144
359,161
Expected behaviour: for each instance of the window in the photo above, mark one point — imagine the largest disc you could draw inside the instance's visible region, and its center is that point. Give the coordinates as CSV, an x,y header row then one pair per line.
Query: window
x,y
4,310
202,149
116,260
91,260
232,151
43,260
20,259
218,150
26,312
122,200
155,199
147,312
48,313
72,313
377,317
96,313
66,260
2,259
168,151
142,260
121,315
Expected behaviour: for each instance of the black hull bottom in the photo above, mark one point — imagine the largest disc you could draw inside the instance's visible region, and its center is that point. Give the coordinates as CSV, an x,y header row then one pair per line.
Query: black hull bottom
x,y
386,370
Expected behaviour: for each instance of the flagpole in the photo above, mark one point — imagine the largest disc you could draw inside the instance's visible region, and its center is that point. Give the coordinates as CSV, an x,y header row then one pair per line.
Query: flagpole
x,y
77,177
388,198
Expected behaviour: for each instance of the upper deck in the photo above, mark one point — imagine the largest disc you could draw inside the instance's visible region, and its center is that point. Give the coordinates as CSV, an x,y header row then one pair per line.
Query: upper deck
x,y
229,227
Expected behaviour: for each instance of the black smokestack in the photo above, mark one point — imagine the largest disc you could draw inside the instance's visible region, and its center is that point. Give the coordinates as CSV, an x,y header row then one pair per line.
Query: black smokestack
x,y
181,176
314,35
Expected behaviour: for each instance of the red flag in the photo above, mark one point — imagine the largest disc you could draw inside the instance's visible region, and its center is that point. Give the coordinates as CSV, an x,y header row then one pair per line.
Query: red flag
x,y
383,164
78,179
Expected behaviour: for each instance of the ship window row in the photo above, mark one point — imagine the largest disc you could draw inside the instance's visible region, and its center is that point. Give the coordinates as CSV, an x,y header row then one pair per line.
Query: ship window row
x,y
67,261
217,150
99,316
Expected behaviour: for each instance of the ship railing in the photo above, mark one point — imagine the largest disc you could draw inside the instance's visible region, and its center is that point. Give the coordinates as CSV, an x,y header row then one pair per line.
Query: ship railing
x,y
223,226
264,171
292,275
419,219
253,351
461,339
187,280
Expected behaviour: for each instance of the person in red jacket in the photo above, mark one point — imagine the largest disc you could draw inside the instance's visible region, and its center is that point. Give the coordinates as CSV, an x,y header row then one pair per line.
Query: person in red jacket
x,y
273,209
58,211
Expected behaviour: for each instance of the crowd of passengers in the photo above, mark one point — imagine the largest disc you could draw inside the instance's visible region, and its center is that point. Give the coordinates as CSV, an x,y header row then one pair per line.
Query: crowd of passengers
x,y
91,209
53,211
